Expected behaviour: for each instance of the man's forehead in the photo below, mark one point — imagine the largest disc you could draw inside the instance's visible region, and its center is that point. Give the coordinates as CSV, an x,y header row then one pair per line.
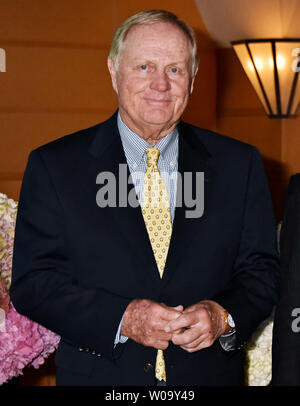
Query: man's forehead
x,y
157,37
149,31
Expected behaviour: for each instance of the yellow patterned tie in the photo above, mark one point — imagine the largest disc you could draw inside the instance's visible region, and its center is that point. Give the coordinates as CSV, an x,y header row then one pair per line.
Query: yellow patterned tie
x,y
157,217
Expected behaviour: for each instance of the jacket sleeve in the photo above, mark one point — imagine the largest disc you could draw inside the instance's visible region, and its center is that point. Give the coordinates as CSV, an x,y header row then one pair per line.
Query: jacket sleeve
x,y
43,287
285,346
253,289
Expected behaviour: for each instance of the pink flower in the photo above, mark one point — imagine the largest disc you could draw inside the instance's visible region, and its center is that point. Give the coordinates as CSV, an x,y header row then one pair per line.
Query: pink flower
x,y
22,341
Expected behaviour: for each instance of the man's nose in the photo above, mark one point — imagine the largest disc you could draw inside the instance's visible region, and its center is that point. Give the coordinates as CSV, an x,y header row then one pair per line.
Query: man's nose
x,y
160,82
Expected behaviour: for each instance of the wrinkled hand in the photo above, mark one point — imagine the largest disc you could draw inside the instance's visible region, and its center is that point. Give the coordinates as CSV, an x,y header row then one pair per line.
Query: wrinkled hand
x,y
144,321
198,326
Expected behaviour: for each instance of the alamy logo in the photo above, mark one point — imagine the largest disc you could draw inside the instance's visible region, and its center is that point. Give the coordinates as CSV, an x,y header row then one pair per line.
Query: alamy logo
x,y
296,322
2,60
296,61
118,192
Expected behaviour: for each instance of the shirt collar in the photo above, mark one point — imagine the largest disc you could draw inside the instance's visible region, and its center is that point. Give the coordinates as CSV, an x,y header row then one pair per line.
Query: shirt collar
x,y
135,146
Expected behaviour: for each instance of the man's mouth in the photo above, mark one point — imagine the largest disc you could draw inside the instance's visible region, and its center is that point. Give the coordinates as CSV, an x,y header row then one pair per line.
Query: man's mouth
x,y
159,101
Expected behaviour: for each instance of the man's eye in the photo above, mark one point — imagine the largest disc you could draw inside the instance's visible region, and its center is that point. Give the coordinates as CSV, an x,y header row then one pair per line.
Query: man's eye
x,y
174,70
143,67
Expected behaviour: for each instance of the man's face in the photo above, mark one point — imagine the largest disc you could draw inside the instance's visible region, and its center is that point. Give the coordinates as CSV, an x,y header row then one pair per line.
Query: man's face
x,y
153,80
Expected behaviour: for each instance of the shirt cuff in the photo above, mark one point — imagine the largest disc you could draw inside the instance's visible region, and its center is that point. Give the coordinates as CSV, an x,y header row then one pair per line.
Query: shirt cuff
x,y
120,339
228,341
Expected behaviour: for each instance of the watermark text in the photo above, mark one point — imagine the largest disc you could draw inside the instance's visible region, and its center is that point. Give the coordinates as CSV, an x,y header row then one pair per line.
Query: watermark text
x,y
118,191
2,60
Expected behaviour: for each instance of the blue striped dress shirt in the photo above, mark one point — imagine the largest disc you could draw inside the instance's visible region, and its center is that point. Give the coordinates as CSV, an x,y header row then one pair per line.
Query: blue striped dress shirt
x,y
134,147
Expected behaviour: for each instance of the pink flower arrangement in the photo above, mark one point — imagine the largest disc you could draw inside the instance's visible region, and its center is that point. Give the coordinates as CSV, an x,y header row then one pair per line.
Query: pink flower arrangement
x,y
22,341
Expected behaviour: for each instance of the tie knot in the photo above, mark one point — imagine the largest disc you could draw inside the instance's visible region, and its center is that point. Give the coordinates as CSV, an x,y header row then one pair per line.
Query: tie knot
x,y
152,156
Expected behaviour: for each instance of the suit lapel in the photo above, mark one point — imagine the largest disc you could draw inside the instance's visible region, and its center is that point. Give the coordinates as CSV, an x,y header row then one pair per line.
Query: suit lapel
x,y
193,157
106,155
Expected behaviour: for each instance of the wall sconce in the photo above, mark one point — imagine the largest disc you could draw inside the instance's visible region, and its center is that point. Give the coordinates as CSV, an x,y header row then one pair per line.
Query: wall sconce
x,y
272,66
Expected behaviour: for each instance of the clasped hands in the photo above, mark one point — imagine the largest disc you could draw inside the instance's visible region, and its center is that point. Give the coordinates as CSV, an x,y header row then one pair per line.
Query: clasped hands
x,y
156,325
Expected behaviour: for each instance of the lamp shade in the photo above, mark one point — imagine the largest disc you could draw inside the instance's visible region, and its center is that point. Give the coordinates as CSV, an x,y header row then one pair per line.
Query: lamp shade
x,y
272,66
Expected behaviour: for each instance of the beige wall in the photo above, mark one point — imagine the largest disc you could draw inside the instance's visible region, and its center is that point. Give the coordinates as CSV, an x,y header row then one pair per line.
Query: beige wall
x,y
57,81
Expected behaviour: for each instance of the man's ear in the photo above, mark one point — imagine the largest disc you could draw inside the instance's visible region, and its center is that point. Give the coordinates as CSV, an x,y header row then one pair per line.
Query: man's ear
x,y
192,81
113,73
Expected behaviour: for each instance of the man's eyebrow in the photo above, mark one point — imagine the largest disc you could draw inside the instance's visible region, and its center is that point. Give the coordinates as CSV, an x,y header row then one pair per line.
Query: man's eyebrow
x,y
141,59
178,63
144,60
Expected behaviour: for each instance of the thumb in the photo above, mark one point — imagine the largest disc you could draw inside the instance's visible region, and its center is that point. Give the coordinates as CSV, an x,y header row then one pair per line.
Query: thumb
x,y
179,308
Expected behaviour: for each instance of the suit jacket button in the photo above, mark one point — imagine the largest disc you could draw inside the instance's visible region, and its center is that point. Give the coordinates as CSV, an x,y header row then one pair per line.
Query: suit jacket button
x,y
81,349
99,355
93,352
148,367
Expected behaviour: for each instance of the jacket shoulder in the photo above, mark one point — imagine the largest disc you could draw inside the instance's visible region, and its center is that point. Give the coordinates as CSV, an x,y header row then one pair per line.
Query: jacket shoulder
x,y
216,142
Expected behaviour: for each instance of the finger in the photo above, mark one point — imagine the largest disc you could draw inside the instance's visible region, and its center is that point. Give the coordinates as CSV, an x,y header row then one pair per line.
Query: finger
x,y
179,331
183,321
159,326
179,308
155,339
195,343
190,309
157,343
161,345
156,325
169,313
187,337
161,335
201,345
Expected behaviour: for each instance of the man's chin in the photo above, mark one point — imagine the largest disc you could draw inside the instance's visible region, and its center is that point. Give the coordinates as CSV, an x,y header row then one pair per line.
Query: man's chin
x,y
158,119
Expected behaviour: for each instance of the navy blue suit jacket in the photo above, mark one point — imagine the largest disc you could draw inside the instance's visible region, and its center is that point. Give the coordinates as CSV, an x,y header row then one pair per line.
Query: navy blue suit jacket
x,y
286,343
77,266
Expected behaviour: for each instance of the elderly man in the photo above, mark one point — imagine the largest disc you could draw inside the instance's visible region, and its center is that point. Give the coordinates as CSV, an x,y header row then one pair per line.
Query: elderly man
x,y
151,293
